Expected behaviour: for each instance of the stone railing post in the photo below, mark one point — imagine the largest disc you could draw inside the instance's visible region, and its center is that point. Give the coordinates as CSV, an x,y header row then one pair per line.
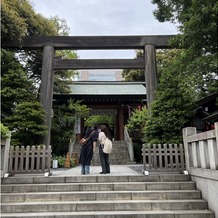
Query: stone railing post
x,y
213,150
5,146
188,152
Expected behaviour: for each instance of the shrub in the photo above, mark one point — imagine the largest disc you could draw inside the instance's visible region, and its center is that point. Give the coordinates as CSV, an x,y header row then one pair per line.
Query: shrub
x,y
61,161
137,122
4,131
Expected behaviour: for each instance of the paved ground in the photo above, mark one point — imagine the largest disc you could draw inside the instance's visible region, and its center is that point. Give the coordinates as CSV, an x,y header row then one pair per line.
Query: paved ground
x,y
95,170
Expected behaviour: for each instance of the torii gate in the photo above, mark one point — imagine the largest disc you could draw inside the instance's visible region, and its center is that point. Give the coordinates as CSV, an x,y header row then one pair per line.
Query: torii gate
x,y
51,43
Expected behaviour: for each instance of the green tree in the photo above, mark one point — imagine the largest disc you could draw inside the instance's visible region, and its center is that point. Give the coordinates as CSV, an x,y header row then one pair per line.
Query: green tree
x,y
137,122
16,87
99,119
63,78
170,112
197,22
21,69
27,123
135,74
187,73
18,19
163,57
4,131
63,124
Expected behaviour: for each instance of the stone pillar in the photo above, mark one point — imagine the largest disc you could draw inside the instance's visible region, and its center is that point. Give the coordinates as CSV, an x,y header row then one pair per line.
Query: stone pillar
x,y
121,122
188,150
46,89
5,148
150,73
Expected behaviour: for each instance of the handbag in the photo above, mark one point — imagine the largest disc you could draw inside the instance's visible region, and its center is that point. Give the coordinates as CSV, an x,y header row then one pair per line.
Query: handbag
x,y
83,141
107,146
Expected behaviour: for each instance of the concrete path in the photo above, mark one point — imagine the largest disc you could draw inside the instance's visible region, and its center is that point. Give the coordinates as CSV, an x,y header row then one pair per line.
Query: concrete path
x,y
95,170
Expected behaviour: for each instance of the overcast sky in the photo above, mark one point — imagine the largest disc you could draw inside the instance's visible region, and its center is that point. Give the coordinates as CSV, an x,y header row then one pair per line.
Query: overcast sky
x,y
105,17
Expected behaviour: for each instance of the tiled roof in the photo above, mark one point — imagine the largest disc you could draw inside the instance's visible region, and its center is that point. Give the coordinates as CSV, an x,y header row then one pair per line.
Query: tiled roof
x,y
108,89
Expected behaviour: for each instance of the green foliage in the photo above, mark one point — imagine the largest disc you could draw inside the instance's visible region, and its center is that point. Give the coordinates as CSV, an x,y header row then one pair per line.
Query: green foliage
x,y
18,19
16,86
61,26
137,122
63,78
198,27
63,124
21,71
4,131
99,119
135,74
12,25
169,112
61,161
27,123
137,147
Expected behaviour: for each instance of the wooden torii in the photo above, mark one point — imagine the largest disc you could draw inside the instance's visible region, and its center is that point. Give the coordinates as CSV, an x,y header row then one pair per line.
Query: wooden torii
x,y
51,43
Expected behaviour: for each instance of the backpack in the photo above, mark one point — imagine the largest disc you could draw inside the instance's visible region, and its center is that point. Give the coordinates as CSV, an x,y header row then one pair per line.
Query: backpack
x,y
107,146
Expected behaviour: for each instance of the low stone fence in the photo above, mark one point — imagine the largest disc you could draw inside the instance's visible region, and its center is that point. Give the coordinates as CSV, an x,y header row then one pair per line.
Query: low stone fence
x,y
23,160
163,157
5,146
201,154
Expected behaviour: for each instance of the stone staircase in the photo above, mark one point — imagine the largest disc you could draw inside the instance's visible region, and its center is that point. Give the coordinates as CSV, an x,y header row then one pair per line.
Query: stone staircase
x,y
119,155
102,196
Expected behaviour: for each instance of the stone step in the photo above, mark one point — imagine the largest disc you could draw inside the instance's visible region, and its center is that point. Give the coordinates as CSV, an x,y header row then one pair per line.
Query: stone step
x,y
115,186
94,179
101,195
116,214
112,205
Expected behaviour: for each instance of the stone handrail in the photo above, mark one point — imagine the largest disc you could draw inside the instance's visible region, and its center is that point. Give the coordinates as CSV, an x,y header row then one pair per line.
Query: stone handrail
x,y
129,144
5,145
201,153
201,150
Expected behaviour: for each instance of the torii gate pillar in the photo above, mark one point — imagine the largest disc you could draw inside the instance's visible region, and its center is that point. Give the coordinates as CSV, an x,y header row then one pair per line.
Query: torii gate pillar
x,y
46,89
150,73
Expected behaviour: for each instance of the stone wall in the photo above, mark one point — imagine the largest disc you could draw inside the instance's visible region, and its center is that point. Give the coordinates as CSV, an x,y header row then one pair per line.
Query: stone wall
x,y
201,152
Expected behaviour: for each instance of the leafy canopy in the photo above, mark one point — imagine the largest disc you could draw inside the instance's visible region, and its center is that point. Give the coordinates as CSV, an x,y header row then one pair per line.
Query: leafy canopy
x,y
170,110
137,122
197,20
18,19
63,123
99,119
27,123
21,70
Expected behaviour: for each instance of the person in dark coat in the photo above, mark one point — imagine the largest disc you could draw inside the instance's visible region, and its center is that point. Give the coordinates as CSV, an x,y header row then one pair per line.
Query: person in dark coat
x,y
87,150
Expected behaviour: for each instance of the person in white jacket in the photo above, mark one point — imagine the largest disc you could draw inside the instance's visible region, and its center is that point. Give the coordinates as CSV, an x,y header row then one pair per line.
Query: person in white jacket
x,y
104,158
